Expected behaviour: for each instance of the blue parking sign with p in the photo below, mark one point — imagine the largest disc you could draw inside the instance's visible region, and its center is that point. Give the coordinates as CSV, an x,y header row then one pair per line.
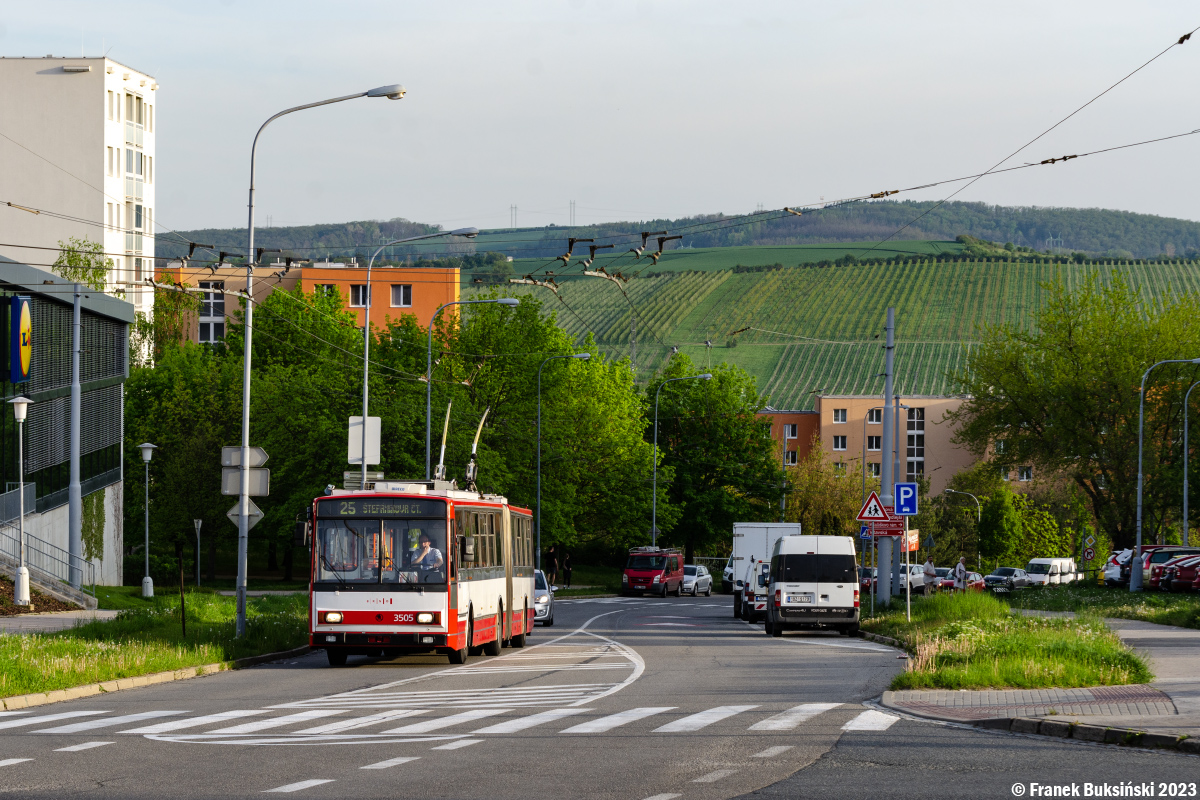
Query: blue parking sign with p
x,y
906,499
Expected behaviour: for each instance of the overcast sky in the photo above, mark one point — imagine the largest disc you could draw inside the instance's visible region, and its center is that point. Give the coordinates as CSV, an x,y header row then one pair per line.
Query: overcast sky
x,y
639,108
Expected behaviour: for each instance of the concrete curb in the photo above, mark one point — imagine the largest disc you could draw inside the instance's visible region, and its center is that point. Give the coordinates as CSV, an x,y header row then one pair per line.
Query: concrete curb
x,y
875,637
1061,729
90,689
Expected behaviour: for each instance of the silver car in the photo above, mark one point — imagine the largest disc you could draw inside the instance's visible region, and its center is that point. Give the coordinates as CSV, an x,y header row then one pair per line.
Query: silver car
x,y
696,581
543,599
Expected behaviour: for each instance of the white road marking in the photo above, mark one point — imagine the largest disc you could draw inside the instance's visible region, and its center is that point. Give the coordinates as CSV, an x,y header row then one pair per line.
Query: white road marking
x,y
295,787
668,625
663,796
8,762
458,744
714,776
274,722
446,722
391,762
77,747
109,722
870,721
695,722
363,722
15,723
6,714
524,723
194,722
771,752
791,719
616,720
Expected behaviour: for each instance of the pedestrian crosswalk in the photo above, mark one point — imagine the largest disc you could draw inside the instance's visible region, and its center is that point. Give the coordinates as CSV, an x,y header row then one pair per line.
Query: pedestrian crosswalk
x,y
451,728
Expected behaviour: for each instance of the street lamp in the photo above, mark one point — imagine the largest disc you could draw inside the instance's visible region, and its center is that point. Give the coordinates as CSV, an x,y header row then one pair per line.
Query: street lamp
x,y
581,357
147,582
511,302
978,519
470,233
1185,461
20,408
1135,575
654,490
392,92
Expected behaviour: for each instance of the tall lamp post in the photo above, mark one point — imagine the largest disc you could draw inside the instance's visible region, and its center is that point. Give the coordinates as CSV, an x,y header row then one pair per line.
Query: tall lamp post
x,y
654,486
581,357
20,408
147,453
978,519
1185,461
1135,571
511,302
392,92
470,233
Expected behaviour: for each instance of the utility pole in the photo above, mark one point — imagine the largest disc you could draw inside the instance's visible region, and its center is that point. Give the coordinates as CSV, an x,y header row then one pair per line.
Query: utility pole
x,y
883,586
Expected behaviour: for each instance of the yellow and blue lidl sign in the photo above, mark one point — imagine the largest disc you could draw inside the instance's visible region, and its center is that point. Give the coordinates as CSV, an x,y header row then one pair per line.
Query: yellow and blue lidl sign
x,y
20,339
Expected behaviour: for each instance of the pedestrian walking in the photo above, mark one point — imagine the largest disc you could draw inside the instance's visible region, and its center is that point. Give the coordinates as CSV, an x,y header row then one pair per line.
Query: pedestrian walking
x,y
566,568
551,566
931,576
960,575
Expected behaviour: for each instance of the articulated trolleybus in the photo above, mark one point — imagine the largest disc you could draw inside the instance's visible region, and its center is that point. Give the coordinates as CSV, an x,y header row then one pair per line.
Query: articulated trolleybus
x,y
418,567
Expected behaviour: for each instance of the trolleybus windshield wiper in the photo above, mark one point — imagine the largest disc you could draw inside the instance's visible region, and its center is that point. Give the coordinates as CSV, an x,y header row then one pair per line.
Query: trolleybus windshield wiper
x,y
329,564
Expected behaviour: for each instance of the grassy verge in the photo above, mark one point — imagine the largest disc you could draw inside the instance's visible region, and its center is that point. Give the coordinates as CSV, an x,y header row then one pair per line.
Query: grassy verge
x,y
974,641
147,639
1163,608
593,580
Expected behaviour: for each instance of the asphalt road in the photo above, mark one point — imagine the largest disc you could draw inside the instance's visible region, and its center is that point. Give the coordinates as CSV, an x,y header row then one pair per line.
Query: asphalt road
x,y
623,698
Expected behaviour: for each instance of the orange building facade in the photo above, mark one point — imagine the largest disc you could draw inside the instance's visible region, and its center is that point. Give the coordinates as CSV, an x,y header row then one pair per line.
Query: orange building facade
x,y
395,291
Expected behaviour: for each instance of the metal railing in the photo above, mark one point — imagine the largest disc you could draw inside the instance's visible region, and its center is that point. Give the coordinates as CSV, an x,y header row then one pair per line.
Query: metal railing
x,y
49,562
10,502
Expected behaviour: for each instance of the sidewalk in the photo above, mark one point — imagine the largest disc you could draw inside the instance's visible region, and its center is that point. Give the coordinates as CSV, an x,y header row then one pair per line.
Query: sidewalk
x,y
54,621
1170,705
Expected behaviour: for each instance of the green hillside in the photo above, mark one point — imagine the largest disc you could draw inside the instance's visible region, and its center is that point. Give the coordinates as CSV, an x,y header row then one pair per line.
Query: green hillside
x,y
813,329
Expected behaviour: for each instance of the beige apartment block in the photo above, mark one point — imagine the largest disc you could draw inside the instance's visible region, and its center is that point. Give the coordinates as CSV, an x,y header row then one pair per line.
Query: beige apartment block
x,y
78,153
852,427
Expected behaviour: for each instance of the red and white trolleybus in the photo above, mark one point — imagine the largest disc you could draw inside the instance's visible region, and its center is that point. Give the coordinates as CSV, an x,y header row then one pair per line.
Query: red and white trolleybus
x,y
419,566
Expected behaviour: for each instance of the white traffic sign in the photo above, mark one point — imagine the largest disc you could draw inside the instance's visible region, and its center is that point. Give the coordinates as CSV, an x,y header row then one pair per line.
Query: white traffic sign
x,y
253,515
231,481
232,456
1090,541
1089,554
873,510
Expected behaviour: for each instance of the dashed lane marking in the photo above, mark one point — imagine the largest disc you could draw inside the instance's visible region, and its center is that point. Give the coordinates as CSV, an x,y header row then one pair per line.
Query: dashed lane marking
x,y
616,720
8,762
194,722
793,717
77,747
714,776
456,745
124,719
663,796
533,720
296,787
391,762
771,752
695,722
870,721
16,723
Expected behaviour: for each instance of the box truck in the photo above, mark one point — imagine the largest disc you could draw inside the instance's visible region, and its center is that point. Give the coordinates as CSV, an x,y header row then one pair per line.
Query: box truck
x,y
753,543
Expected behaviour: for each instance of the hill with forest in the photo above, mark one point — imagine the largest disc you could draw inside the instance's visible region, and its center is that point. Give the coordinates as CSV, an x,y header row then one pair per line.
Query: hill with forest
x,y
853,226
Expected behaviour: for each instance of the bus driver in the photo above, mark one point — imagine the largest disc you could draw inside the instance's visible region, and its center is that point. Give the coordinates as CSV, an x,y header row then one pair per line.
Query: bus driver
x,y
427,557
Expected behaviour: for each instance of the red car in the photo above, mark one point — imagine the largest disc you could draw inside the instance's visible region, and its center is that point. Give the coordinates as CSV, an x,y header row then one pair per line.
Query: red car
x,y
1182,574
974,582
1159,571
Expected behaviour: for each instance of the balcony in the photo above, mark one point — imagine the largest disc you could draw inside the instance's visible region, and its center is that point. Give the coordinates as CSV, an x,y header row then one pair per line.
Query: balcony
x,y
133,242
133,133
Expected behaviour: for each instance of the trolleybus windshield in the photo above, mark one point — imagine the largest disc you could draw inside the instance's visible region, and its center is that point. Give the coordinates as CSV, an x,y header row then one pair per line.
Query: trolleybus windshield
x,y
391,551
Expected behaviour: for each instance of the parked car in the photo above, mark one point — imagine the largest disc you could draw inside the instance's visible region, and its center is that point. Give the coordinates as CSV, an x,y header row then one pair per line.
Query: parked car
x,y
868,577
1158,559
543,599
974,581
1006,579
1116,569
727,577
1179,575
653,570
697,581
1047,571
915,576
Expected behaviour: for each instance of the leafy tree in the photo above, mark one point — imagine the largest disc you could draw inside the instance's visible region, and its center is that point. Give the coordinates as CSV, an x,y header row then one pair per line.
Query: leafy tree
x,y
83,261
724,459
823,500
1064,396
1000,528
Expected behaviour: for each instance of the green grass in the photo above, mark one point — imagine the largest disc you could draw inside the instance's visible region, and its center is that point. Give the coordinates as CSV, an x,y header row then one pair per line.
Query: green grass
x,y
599,580
1181,610
147,639
974,641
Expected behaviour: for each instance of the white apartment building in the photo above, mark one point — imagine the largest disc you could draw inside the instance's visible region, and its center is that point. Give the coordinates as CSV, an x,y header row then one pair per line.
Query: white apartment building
x,y
78,156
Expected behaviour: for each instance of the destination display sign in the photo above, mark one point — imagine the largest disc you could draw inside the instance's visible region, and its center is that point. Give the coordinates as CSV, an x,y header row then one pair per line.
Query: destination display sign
x,y
373,507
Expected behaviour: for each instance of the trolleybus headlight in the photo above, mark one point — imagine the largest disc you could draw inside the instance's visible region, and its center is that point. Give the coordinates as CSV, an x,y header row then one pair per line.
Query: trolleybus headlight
x,y
424,619
333,617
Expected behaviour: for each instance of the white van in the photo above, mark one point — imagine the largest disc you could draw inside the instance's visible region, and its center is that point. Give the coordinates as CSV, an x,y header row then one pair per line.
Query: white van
x,y
1044,571
754,591
813,583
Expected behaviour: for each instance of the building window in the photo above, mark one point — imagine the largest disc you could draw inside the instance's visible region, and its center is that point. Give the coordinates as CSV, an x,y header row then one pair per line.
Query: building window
x,y
1004,473
839,443
110,161
401,295
110,105
1100,483
212,311
875,416
149,118
1025,473
999,447
874,469
326,289
916,442
839,415
358,295
791,430
875,443
915,469
110,215
149,169
790,458
138,216
839,469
